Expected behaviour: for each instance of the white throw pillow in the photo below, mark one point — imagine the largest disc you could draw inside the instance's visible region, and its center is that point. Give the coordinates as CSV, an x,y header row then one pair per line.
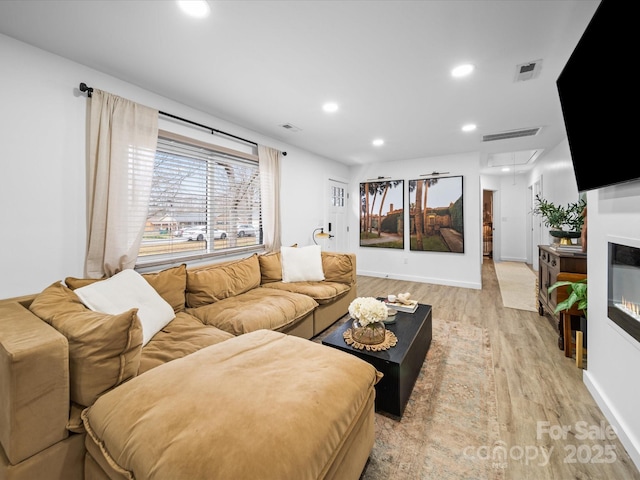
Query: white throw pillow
x,y
124,291
301,264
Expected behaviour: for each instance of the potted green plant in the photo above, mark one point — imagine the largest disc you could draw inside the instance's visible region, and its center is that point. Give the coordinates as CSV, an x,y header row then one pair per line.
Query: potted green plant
x,y
557,217
577,294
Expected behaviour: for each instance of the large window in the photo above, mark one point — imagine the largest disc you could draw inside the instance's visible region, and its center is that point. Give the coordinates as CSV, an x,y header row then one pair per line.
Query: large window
x,y
205,201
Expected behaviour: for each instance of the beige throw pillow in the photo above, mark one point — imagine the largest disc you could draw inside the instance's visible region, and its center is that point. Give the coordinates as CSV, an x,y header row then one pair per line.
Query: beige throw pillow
x,y
104,350
270,268
170,284
216,282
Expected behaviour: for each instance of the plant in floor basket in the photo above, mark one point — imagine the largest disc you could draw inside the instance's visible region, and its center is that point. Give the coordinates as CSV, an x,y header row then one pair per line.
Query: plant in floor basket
x,y
368,315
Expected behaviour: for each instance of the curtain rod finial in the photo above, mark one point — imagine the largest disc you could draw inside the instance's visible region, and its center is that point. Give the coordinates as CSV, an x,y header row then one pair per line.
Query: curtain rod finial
x,y
84,88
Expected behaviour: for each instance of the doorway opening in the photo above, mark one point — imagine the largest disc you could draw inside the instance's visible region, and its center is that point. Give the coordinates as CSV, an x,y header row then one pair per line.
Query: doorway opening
x,y
487,223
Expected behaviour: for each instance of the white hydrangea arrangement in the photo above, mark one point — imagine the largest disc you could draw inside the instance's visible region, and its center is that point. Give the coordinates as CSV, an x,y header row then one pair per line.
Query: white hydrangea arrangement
x,y
368,310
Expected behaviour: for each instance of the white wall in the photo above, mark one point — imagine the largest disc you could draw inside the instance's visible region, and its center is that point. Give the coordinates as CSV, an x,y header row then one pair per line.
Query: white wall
x,y
462,270
614,356
43,198
43,166
559,186
612,360
511,224
43,175
305,195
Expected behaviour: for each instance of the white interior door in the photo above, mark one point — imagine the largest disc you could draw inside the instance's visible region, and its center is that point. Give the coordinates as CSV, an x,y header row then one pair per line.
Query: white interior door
x,y
536,224
337,217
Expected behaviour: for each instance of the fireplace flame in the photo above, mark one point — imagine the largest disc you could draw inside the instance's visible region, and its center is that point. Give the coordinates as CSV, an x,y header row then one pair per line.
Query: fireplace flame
x,y
631,307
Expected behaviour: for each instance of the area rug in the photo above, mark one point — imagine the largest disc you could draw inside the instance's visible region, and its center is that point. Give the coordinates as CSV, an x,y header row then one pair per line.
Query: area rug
x,y
517,285
450,421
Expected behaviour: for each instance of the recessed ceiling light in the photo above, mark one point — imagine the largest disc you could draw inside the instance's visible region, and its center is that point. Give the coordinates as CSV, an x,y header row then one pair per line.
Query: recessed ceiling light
x,y
469,127
195,8
330,107
462,70
378,142
505,169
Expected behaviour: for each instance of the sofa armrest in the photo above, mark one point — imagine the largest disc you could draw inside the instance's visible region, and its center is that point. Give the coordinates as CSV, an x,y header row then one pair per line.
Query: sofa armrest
x,y
34,383
339,267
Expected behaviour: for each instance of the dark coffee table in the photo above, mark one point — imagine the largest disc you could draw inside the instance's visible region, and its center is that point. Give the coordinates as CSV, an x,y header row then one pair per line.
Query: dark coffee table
x,y
400,364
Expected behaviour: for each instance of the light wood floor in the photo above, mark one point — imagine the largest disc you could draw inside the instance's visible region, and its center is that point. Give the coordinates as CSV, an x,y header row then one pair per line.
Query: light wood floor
x,y
535,384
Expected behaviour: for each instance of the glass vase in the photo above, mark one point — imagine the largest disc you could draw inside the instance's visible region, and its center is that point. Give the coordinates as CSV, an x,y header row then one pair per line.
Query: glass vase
x,y
371,334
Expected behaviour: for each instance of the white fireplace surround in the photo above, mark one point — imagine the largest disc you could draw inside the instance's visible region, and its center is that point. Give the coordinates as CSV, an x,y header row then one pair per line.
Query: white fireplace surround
x,y
627,242
613,355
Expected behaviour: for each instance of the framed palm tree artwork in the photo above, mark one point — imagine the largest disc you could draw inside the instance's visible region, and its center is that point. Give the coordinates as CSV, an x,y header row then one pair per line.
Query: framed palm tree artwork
x,y
382,214
436,215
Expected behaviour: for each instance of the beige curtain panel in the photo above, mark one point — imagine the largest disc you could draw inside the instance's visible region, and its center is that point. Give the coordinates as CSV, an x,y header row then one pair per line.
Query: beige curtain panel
x,y
122,146
269,161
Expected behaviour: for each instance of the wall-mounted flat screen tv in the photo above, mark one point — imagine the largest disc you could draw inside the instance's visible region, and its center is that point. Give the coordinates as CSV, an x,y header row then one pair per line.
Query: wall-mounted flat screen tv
x,y
598,90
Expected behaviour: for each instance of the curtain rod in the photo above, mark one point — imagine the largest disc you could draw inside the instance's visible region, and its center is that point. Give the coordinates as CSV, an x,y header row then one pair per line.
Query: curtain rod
x,y
84,88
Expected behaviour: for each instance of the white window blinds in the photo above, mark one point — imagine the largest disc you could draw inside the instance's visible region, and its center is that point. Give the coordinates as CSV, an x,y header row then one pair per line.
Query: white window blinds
x,y
204,202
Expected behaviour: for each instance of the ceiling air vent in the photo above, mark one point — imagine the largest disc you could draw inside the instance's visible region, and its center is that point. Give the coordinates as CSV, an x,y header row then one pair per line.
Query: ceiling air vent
x,y
511,159
528,71
523,132
290,127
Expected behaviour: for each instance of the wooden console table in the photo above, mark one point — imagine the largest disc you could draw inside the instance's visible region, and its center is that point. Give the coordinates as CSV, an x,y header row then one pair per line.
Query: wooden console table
x,y
550,263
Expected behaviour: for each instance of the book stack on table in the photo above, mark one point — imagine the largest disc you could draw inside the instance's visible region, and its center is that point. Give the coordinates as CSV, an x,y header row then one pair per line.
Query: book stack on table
x,y
567,248
409,307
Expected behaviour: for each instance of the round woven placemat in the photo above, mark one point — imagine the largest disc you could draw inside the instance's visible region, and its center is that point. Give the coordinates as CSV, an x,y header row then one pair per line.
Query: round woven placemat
x,y
390,340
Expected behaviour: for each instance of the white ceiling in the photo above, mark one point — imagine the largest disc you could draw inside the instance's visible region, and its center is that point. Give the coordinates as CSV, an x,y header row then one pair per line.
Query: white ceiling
x,y
261,64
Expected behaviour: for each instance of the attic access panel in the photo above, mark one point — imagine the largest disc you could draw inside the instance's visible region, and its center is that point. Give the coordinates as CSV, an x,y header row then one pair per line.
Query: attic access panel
x,y
510,159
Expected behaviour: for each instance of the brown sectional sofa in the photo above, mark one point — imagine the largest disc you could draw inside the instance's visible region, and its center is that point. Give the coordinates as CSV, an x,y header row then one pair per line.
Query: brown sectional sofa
x,y
225,390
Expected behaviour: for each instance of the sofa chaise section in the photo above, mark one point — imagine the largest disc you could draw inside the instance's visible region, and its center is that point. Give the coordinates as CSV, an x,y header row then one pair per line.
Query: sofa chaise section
x,y
57,356
261,405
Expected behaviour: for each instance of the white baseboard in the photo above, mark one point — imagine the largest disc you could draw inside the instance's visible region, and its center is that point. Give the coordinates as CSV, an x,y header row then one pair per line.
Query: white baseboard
x,y
632,445
512,259
419,279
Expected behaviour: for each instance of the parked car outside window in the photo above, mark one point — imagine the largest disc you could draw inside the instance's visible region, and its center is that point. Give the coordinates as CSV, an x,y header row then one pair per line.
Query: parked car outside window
x,y
246,230
200,233
195,233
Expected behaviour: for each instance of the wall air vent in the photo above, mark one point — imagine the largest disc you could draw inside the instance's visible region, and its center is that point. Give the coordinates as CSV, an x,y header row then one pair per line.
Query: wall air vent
x,y
290,127
523,132
528,71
